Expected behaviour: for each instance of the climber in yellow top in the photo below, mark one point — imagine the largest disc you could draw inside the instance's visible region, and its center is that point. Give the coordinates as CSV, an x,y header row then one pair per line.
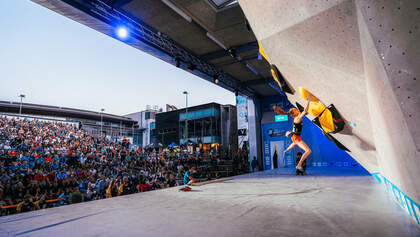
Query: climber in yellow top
x,y
297,130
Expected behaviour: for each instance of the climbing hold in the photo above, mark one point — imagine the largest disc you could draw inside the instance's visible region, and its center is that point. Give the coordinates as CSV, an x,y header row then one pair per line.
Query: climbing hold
x,y
352,123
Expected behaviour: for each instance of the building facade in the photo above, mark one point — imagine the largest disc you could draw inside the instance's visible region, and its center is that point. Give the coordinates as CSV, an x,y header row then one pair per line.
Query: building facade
x,y
144,135
207,125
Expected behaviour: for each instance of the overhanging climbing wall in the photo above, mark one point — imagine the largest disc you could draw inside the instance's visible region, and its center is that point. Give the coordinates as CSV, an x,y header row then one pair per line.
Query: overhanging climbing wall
x,y
363,56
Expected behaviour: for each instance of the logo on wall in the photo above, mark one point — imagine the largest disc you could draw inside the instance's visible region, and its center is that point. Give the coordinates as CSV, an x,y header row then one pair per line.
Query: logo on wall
x,y
242,132
240,100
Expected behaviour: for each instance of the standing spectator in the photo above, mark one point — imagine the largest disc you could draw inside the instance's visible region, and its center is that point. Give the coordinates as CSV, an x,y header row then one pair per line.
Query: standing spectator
x,y
254,164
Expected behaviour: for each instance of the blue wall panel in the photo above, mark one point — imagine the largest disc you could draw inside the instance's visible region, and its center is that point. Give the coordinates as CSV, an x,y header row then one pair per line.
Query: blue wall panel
x,y
324,152
278,127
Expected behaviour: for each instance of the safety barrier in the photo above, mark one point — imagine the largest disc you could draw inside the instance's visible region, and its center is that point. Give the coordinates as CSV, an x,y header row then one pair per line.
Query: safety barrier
x,y
410,206
35,203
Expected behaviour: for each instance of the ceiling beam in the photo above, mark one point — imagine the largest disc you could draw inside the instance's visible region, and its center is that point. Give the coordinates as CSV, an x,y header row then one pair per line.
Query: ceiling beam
x,y
246,59
237,49
118,3
258,82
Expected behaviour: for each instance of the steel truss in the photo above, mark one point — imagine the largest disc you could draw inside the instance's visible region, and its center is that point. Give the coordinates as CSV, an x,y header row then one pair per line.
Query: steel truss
x,y
106,13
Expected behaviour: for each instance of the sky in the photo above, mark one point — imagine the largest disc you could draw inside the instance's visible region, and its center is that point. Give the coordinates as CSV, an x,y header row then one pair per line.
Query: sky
x,y
56,61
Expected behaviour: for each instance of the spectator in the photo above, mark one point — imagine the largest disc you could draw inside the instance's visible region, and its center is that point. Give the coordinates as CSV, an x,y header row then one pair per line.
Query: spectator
x,y
65,196
125,188
254,165
171,181
188,177
26,205
112,190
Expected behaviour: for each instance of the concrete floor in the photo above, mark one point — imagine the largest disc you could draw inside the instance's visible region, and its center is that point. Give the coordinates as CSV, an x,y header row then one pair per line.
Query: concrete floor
x,y
328,202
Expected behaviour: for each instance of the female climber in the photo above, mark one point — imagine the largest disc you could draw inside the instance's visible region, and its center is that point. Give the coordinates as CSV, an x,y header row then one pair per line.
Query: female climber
x,y
297,130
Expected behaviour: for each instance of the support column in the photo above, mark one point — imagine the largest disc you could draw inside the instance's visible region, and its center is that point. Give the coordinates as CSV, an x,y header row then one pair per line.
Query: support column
x,y
254,130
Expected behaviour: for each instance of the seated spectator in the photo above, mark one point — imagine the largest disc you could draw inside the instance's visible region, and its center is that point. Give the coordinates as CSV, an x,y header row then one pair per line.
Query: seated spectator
x,y
179,178
65,196
125,188
171,181
26,205
188,176
112,190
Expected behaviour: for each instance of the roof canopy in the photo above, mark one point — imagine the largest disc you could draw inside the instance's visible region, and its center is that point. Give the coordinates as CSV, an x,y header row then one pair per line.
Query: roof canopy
x,y
209,38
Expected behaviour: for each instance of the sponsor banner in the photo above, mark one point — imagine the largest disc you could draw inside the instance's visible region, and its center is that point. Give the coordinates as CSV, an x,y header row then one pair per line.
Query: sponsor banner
x,y
242,117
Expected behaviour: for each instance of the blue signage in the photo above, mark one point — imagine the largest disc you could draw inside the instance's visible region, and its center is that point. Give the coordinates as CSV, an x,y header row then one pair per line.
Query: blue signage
x,y
281,118
199,114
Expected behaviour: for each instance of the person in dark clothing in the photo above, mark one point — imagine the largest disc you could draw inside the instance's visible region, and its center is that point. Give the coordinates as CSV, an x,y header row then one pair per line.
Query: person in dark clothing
x,y
171,181
125,188
27,204
254,164
275,159
114,189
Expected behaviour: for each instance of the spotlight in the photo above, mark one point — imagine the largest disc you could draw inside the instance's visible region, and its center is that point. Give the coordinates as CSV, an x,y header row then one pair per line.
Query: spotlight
x,y
122,32
232,53
177,62
216,79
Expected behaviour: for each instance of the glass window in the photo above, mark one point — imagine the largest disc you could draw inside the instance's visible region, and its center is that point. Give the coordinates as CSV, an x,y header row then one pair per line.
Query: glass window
x,y
198,128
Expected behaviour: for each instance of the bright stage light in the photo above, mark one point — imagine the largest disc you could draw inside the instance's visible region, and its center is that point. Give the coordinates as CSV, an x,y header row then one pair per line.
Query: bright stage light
x,y
122,33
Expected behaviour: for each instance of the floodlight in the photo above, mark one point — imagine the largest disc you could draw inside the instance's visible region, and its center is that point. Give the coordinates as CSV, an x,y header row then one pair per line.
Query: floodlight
x,y
122,32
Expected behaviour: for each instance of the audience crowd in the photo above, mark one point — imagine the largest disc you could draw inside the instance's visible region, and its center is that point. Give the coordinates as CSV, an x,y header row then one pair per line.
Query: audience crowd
x,y
46,164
